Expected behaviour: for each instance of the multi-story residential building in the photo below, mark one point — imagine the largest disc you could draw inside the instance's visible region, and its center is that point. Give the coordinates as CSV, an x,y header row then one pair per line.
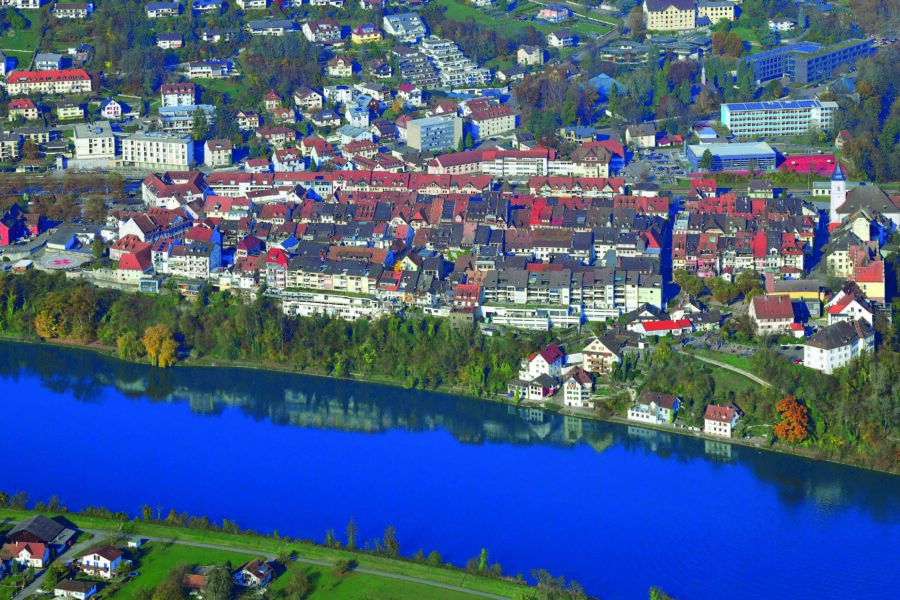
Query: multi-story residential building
x,y
94,140
785,118
270,27
716,11
169,41
530,56
340,66
365,34
562,38
652,407
69,110
182,118
158,151
415,68
720,420
670,15
807,62
196,260
771,314
454,69
72,10
217,153
835,346
322,32
48,61
253,4
434,133
178,94
9,146
22,4
23,107
601,355
492,121
408,28
66,81
155,10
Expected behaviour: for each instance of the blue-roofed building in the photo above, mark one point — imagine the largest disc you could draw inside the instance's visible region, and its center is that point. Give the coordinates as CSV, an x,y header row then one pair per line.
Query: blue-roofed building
x,y
734,157
603,84
754,119
807,62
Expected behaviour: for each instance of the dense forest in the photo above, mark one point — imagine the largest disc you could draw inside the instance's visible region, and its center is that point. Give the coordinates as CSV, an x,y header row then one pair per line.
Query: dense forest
x,y
416,352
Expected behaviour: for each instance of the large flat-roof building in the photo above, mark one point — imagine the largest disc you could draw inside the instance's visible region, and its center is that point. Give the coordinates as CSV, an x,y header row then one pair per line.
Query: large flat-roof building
x,y
94,140
734,157
807,62
434,133
749,119
158,151
670,15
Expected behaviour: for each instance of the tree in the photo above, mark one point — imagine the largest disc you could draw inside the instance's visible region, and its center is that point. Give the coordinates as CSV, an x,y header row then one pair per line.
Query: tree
x,y
342,566
706,160
688,282
298,586
30,149
435,559
158,344
200,128
220,583
130,348
391,546
482,560
794,424
98,248
54,574
95,209
635,23
352,531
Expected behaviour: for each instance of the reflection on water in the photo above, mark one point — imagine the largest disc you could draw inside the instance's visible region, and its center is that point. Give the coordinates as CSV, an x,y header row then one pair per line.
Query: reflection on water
x,y
301,401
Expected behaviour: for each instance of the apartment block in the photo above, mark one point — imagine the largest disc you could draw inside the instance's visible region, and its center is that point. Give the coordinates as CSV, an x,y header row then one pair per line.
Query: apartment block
x,y
751,119
94,140
158,151
434,133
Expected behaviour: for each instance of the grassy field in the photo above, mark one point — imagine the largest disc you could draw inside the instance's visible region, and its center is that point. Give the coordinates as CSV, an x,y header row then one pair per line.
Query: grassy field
x,y
326,584
729,381
158,559
729,359
20,41
458,11
255,545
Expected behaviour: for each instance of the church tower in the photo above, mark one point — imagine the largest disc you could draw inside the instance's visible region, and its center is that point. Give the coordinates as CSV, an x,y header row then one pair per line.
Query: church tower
x,y
838,194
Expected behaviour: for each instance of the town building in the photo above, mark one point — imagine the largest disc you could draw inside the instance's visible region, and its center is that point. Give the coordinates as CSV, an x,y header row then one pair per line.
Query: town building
x,y
577,388
670,15
365,34
807,62
72,10
716,11
778,118
66,81
720,420
322,32
772,315
101,562
434,133
601,355
158,151
178,94
270,27
408,28
493,120
94,141
48,61
169,41
530,56
654,408
23,107
642,135
156,10
69,110
217,153
835,346
454,69
734,157
562,38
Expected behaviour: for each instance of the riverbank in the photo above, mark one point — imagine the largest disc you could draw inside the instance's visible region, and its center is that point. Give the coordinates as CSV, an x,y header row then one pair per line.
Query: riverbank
x,y
447,390
417,578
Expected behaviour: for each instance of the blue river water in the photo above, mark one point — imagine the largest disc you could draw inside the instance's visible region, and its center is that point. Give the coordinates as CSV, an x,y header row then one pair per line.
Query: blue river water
x,y
617,508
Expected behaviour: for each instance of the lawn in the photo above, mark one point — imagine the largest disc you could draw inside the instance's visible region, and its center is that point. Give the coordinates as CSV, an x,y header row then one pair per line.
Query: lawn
x,y
325,584
729,381
24,40
729,359
158,559
255,545
459,11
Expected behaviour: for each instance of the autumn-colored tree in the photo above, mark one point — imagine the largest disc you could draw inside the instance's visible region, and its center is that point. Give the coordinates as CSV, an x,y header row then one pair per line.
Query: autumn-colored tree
x,y
160,346
794,424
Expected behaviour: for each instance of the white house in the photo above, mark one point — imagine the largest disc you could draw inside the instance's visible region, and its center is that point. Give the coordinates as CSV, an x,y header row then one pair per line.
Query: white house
x,y
101,562
641,136
72,588
720,420
849,304
110,109
835,346
256,574
652,407
577,388
601,355
548,361
27,554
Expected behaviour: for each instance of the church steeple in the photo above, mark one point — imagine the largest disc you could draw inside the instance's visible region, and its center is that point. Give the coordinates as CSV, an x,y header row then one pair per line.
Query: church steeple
x,y
838,193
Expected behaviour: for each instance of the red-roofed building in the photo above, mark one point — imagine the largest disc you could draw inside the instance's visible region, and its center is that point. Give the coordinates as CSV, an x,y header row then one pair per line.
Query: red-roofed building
x,y
65,81
23,107
577,388
29,554
720,420
662,328
548,361
491,121
771,314
815,164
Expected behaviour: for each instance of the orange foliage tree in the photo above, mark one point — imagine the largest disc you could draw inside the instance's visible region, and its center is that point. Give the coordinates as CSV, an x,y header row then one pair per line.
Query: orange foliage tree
x,y
794,424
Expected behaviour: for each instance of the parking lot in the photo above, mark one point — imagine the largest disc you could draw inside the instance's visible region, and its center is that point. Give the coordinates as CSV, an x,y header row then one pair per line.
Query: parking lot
x,y
792,352
662,166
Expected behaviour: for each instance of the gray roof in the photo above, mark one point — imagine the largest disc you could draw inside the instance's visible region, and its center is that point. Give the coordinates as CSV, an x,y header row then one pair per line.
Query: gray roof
x,y
840,334
39,526
661,5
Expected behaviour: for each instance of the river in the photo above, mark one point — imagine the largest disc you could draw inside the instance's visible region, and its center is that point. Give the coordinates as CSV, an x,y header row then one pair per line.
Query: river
x,y
617,508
